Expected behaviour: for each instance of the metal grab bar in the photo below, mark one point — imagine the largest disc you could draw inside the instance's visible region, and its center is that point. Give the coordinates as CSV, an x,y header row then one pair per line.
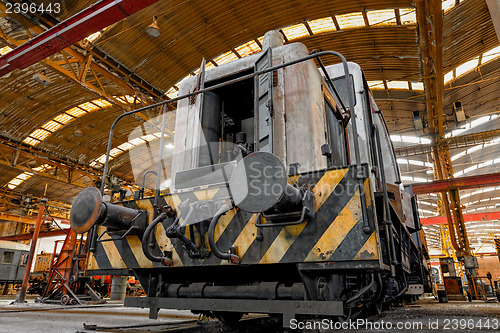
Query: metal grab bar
x,y
211,237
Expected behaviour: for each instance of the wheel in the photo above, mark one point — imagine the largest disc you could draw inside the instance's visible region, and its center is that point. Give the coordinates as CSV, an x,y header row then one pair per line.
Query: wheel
x,y
228,318
65,299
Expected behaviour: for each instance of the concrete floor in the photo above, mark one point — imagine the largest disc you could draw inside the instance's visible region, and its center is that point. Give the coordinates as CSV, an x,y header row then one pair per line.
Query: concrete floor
x,y
34,317
426,315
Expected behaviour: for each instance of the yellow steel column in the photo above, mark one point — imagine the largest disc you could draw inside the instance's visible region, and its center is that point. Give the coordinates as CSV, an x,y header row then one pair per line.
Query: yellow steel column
x,y
430,25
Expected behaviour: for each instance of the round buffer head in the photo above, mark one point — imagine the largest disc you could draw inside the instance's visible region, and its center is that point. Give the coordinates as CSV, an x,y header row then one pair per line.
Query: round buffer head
x,y
258,182
85,210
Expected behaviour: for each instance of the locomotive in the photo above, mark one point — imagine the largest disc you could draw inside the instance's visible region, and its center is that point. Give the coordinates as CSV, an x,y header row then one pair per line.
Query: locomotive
x,y
280,194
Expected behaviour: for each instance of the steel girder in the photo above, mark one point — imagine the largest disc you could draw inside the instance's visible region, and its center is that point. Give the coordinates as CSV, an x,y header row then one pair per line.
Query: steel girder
x,y
430,23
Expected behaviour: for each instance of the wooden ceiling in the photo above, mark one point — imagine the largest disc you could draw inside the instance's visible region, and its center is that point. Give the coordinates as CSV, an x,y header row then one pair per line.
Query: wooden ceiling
x,y
192,30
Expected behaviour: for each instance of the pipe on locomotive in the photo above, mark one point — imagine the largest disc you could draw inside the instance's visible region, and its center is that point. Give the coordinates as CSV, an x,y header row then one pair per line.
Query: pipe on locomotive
x,y
146,241
93,231
88,210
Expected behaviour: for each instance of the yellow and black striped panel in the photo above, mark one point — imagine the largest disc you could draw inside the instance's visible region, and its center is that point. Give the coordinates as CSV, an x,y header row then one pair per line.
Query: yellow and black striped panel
x,y
334,234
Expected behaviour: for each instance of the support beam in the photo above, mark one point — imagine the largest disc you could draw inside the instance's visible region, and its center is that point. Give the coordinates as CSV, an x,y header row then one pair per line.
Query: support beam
x,y
40,235
26,219
12,200
82,175
491,216
17,219
24,287
461,183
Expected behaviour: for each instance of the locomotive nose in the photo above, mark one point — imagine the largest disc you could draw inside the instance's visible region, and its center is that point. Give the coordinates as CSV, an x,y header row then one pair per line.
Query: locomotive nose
x,y
86,210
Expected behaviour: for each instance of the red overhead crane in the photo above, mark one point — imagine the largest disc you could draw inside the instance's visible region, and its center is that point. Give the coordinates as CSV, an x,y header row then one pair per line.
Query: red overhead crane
x,y
69,32
491,216
461,183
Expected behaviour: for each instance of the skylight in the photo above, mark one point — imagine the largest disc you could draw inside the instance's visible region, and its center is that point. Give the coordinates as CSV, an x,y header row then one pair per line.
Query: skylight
x,y
98,162
472,64
244,50
319,26
417,86
322,25
405,85
295,31
226,58
351,20
382,17
415,162
477,166
62,119
415,179
4,50
408,16
410,139
397,85
18,180
475,148
470,125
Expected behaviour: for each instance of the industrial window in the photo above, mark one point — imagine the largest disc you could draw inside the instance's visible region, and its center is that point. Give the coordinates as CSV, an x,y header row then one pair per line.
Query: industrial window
x,y
336,137
341,86
8,257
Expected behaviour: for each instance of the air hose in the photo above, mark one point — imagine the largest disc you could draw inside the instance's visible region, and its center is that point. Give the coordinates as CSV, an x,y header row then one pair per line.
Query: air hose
x,y
146,239
211,237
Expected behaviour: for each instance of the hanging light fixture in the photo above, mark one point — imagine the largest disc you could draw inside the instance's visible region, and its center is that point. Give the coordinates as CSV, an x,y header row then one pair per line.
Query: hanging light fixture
x,y
153,29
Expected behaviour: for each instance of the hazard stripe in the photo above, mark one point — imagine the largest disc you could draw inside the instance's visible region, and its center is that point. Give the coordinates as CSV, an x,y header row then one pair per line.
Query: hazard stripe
x,y
325,186
282,243
369,250
126,253
136,247
336,232
223,223
325,215
112,252
351,243
310,179
332,229
101,255
232,231
246,236
92,263
259,247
